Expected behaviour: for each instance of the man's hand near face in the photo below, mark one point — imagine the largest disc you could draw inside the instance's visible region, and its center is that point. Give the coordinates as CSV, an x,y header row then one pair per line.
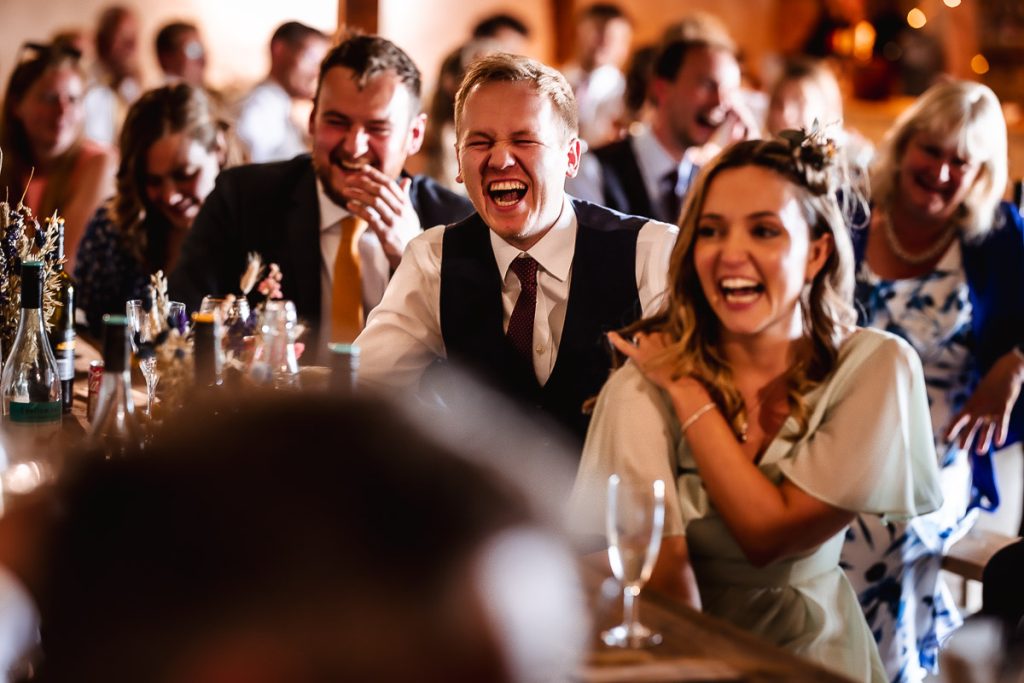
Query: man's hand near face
x,y
385,205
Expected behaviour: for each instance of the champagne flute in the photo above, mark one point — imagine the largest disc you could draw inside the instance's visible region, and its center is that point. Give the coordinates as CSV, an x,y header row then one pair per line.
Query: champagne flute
x,y
634,520
142,329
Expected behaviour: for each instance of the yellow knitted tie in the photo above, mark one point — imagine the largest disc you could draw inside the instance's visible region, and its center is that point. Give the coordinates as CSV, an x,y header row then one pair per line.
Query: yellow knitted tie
x,y
347,294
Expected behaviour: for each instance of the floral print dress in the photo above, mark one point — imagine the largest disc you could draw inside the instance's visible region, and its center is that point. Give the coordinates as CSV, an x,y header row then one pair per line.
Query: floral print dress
x,y
894,566
106,272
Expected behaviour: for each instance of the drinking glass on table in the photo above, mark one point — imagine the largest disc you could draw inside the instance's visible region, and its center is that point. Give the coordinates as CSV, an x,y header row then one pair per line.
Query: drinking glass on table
x,y
177,317
634,519
143,331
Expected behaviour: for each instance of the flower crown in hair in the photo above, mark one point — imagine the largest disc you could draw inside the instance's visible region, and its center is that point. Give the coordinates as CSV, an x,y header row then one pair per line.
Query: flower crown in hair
x,y
814,156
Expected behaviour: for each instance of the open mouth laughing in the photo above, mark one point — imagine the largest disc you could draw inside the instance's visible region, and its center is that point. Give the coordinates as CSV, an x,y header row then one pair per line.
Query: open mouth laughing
x,y
927,184
711,119
506,193
740,290
350,166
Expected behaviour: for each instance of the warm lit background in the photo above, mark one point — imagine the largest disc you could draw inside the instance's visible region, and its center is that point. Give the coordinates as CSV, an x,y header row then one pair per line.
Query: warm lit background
x,y
981,39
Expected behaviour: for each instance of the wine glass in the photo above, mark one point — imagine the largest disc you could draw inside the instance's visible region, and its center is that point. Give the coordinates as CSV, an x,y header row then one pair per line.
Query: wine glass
x,y
142,329
634,519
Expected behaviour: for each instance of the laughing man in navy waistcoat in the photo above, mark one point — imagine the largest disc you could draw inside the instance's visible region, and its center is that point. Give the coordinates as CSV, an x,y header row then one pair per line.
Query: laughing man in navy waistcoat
x,y
535,329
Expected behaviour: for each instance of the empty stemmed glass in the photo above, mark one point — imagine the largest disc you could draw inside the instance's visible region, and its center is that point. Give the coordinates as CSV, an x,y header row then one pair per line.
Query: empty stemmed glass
x,y
142,330
634,520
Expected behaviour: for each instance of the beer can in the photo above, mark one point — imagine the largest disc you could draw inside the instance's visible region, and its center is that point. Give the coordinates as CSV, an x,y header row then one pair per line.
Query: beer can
x,y
95,380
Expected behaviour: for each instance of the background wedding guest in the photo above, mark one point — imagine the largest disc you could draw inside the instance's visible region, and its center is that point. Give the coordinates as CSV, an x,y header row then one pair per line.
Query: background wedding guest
x,y
807,92
181,54
694,88
771,419
942,265
266,120
172,148
115,80
440,159
45,157
511,34
603,36
366,121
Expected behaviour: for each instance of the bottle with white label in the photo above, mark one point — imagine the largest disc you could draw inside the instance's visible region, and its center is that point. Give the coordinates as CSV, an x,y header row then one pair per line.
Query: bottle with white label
x,y
62,324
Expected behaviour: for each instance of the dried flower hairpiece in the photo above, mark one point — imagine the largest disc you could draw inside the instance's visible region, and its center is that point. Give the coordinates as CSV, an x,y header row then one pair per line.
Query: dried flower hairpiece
x,y
814,156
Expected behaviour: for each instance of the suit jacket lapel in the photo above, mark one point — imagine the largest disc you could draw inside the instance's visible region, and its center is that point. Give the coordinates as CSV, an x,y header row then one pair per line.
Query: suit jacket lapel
x,y
302,232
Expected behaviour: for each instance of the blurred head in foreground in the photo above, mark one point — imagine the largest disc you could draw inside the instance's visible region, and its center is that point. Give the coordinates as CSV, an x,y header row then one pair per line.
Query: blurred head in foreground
x,y
304,539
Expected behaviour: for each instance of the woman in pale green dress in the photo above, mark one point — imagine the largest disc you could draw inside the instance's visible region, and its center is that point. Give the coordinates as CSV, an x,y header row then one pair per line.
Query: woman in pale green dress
x,y
776,420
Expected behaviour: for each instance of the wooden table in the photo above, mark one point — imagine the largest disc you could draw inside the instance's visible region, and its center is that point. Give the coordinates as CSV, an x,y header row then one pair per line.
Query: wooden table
x,y
695,647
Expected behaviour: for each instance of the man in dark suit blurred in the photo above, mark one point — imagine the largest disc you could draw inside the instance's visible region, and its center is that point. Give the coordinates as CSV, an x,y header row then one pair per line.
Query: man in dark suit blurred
x,y
352,191
695,90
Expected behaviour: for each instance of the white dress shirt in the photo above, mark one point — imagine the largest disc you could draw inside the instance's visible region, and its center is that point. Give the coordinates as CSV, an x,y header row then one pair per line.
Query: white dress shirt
x,y
654,162
375,268
403,334
266,125
105,108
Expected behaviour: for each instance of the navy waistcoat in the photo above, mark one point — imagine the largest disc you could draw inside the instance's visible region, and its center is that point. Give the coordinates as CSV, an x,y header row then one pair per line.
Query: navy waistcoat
x,y
603,296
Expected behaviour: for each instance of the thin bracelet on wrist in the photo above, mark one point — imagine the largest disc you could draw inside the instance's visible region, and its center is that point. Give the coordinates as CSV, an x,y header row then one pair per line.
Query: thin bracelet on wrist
x,y
696,415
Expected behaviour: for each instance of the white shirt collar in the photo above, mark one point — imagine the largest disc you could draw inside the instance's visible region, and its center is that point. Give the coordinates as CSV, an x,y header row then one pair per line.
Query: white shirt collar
x,y
330,213
655,162
553,252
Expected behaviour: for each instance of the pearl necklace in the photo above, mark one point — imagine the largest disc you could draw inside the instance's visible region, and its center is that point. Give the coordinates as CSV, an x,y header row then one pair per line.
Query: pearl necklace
x,y
938,247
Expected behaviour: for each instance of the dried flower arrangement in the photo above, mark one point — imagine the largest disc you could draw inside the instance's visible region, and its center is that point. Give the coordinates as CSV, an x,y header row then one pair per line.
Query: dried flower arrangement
x,y
170,338
23,239
239,330
167,339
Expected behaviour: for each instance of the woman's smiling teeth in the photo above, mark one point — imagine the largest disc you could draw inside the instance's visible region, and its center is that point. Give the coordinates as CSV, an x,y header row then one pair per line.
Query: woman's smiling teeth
x,y
740,290
506,192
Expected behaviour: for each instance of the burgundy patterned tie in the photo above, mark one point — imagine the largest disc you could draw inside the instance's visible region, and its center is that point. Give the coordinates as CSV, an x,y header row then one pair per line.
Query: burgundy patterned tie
x,y
520,325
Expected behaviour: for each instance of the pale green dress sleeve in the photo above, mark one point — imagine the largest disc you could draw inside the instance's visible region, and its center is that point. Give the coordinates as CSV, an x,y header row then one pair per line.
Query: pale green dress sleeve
x,y
872,450
634,434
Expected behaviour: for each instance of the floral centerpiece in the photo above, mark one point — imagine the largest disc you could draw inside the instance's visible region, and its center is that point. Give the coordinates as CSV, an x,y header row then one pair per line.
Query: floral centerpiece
x,y
22,239
168,333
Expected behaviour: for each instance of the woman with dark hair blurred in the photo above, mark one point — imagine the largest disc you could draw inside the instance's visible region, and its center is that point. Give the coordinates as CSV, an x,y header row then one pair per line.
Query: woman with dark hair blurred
x,y
46,159
172,149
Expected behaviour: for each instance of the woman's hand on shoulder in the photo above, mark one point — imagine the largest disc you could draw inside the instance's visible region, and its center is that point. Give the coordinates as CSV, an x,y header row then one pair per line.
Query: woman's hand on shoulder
x,y
985,418
647,351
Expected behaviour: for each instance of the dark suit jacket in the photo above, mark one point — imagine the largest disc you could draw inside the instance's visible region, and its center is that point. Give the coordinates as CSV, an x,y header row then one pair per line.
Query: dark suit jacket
x,y
622,183
272,209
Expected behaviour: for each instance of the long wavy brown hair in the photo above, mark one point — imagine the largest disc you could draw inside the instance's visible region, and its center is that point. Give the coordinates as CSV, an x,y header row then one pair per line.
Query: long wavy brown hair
x,y
813,167
164,111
